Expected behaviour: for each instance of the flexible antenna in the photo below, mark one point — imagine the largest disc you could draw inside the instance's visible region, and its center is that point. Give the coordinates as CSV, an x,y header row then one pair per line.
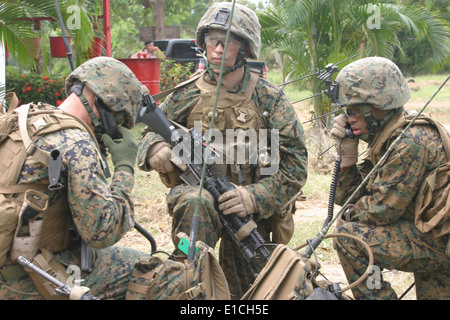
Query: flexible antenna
x,y
196,216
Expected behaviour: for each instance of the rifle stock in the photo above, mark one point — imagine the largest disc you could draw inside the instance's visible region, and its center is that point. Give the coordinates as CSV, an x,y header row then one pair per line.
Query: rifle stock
x,y
193,146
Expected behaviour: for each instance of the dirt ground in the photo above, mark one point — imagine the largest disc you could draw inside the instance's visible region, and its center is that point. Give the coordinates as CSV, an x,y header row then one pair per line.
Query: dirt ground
x,y
151,214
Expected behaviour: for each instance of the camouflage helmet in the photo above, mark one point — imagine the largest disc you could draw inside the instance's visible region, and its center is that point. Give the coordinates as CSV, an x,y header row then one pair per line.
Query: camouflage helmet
x,y
375,81
113,82
245,24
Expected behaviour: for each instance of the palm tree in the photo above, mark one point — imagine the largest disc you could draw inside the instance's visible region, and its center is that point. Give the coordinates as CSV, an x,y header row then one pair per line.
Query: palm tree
x,y
310,33
16,26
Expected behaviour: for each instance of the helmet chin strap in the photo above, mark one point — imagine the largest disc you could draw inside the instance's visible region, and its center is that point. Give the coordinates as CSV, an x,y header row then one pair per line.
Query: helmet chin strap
x,y
99,129
77,88
373,124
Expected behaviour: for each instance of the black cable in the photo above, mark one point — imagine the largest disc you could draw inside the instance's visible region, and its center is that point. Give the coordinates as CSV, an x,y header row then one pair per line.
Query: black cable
x,y
333,186
146,234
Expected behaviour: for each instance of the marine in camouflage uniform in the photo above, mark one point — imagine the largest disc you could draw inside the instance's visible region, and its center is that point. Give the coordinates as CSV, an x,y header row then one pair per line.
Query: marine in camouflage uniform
x,y
373,90
247,100
100,211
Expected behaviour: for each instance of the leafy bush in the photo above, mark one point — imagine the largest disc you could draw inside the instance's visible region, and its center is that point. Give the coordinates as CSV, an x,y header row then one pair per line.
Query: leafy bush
x,y
173,73
31,87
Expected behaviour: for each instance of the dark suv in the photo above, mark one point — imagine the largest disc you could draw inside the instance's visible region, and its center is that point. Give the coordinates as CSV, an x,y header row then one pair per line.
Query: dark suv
x,y
183,51
186,50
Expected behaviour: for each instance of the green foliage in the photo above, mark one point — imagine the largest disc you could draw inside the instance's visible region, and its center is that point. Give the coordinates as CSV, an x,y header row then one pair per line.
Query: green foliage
x,y
19,34
31,87
173,73
308,34
128,16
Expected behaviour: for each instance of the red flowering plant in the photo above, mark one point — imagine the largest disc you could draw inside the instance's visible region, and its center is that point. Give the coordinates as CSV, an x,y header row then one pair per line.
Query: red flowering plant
x,y
36,88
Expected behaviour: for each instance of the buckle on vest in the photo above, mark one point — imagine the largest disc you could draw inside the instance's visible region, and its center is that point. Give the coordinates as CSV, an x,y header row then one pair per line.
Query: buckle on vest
x,y
242,114
42,123
194,291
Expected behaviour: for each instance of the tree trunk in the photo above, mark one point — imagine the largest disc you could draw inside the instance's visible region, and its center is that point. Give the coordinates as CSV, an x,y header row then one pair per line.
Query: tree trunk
x,y
158,16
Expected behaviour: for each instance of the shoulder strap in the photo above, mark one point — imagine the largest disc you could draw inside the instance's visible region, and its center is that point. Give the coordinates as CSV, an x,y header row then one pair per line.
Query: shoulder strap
x,y
164,94
41,155
445,135
401,121
65,120
13,104
30,147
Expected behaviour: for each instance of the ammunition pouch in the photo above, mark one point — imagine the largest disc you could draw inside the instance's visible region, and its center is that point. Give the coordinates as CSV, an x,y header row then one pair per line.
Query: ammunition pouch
x,y
156,278
286,276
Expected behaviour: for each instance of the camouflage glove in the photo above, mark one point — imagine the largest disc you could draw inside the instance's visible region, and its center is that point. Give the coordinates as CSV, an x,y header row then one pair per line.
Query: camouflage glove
x,y
239,201
349,147
161,159
124,152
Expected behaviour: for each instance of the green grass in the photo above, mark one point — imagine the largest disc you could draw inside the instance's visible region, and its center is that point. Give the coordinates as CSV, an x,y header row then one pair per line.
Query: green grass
x,y
295,93
293,90
425,92
317,186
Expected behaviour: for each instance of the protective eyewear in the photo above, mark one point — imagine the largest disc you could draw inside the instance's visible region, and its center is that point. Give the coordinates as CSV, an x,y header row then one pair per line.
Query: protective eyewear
x,y
355,111
214,39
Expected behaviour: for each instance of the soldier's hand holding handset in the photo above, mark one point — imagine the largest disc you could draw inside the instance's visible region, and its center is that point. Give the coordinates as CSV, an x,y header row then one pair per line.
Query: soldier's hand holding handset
x,y
348,150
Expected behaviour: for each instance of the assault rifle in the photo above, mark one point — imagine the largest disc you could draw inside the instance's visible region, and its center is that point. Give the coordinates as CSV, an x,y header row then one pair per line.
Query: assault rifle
x,y
193,145
61,288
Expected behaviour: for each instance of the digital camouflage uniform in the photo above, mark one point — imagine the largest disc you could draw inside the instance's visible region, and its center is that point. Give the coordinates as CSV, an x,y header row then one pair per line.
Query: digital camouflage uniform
x,y
271,193
101,210
193,102
383,211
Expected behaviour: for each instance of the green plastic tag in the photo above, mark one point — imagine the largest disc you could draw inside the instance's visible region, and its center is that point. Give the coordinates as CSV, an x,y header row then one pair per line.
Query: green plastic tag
x,y
183,245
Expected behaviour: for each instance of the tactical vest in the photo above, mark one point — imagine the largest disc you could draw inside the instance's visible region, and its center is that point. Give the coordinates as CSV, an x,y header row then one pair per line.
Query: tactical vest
x,y
20,128
234,111
431,208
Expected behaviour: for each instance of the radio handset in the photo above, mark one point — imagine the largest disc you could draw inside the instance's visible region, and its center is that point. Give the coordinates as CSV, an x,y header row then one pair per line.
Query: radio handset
x,y
349,131
108,121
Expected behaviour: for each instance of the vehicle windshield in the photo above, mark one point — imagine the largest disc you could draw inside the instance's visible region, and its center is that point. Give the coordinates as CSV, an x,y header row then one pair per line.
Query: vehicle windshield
x,y
161,44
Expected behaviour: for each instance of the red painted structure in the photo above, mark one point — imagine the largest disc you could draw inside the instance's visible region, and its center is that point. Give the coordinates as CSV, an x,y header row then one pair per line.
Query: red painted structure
x,y
147,70
107,26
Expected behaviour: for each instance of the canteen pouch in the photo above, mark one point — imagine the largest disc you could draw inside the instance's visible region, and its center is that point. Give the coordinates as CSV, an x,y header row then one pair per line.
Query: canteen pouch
x,y
282,225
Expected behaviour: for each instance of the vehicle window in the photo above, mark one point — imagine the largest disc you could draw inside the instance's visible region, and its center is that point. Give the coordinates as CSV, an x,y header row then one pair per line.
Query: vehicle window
x,y
162,45
184,50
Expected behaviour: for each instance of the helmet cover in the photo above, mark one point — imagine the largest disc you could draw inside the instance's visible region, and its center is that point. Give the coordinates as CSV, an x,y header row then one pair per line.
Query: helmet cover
x,y
245,24
113,82
375,81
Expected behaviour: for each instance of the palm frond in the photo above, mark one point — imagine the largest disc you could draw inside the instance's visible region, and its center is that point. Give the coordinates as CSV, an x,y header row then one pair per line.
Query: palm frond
x,y
18,33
